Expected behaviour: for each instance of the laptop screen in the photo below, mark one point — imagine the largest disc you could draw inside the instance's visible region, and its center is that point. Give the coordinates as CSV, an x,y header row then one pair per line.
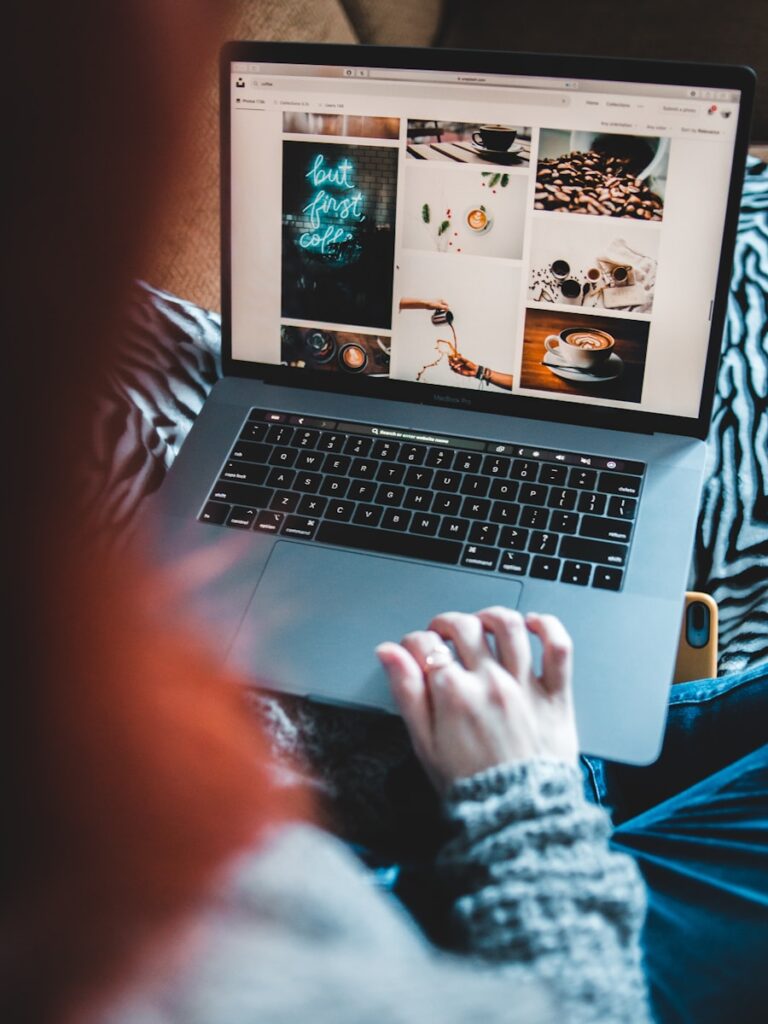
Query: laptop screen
x,y
555,239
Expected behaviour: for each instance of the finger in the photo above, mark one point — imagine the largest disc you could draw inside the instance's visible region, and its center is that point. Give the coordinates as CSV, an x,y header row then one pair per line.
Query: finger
x,y
557,651
513,644
409,689
467,635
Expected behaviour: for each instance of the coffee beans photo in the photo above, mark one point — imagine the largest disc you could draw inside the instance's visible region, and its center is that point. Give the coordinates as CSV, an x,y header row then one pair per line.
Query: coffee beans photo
x,y
595,183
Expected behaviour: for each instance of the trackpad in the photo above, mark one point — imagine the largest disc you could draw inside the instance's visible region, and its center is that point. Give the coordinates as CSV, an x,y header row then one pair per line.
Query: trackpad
x,y
318,613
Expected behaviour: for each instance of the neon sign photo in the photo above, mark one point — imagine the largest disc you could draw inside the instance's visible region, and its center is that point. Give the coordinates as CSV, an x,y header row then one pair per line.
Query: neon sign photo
x,y
334,210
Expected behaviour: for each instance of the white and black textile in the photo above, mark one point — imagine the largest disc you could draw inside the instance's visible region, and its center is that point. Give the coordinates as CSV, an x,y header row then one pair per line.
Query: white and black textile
x,y
170,360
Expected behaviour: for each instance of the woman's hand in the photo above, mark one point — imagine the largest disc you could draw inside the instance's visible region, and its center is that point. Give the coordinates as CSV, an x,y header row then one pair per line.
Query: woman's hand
x,y
464,367
481,708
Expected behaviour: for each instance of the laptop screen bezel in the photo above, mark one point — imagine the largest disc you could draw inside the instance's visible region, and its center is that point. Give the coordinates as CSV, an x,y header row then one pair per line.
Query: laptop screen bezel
x,y
493,62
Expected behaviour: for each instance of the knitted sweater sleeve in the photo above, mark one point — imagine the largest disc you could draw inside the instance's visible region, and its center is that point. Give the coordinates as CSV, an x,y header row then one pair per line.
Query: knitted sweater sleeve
x,y
537,884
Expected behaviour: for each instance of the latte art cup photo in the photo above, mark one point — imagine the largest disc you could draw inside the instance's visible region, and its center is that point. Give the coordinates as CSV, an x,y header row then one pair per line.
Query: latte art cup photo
x,y
580,346
477,219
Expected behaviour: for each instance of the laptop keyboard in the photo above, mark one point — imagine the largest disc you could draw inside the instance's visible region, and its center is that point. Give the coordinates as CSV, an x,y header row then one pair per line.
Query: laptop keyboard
x,y
485,505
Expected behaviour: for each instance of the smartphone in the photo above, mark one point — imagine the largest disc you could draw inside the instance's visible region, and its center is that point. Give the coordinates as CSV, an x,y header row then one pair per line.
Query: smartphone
x,y
697,650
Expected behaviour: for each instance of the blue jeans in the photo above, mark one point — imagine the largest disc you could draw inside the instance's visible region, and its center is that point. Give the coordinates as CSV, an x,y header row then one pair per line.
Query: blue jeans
x,y
696,822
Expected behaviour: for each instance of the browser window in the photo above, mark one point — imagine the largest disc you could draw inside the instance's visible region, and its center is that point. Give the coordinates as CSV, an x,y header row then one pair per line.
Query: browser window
x,y
553,238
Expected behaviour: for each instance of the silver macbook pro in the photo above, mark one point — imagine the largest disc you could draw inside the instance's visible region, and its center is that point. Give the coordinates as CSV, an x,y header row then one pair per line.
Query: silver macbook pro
x,y
472,310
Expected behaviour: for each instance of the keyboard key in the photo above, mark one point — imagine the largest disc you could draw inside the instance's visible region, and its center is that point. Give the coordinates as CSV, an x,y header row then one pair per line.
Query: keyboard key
x,y
299,526
476,508
563,522
305,438
418,476
367,515
562,498
592,502
425,523
361,490
280,435
606,529
513,563
454,529
440,458
576,572
607,579
364,469
284,501
622,508
311,505
418,499
535,518
446,504
262,414
330,442
619,483
504,512
483,533
395,519
283,456
308,483
244,472
337,464
250,452
242,517
447,481
552,473
523,469
281,478
340,511
334,486
385,450
512,537
214,512
389,542
496,465
477,557
543,543
468,462
545,568
504,490
390,472
412,454
387,495
241,494
475,485
582,550
268,522
584,479
358,446
532,494
309,460
254,432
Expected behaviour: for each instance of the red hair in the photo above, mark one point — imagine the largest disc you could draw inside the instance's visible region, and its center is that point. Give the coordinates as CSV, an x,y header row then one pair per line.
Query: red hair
x,y
136,771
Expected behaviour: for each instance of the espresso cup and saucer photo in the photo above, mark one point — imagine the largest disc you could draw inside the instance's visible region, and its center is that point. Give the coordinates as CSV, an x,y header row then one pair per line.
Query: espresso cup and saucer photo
x,y
582,354
495,138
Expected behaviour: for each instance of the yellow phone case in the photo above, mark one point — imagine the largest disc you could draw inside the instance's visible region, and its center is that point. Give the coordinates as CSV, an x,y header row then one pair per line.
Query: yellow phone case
x,y
697,650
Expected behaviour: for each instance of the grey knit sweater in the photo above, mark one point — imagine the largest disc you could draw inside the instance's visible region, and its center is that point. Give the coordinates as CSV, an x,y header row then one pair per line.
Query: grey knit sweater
x,y
550,919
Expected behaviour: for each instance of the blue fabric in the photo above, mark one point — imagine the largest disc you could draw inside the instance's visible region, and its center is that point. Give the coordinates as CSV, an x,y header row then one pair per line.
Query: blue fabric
x,y
696,822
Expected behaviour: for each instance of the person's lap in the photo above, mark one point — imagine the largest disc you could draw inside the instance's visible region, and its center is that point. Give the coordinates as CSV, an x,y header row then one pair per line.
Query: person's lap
x,y
696,822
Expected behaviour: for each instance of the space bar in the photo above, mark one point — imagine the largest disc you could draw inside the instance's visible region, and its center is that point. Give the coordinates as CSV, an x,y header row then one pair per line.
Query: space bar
x,y
387,542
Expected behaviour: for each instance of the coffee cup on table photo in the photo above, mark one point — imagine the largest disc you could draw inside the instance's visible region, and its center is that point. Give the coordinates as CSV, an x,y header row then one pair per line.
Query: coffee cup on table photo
x,y
582,347
498,137
570,290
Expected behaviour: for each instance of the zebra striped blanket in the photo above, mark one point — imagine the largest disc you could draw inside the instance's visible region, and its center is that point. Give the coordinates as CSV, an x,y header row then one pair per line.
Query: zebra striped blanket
x,y
169,360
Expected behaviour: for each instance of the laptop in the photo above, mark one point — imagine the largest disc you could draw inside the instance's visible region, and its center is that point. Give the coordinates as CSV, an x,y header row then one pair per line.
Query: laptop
x,y
472,306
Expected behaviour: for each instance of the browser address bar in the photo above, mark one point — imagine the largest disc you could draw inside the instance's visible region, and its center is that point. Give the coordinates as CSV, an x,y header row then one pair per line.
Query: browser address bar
x,y
468,78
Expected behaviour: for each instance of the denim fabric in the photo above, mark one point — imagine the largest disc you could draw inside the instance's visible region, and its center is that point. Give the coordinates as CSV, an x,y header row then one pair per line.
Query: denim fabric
x,y
696,822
